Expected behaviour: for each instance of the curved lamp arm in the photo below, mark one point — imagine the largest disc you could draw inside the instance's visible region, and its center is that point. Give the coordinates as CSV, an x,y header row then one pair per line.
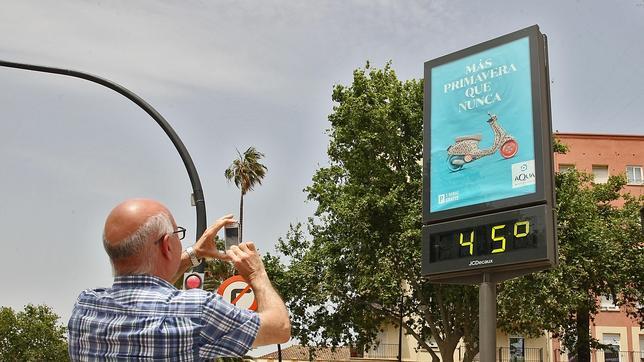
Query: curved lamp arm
x,y
197,192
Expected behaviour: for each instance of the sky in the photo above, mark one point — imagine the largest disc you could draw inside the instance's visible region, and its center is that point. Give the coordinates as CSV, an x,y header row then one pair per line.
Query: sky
x,y
232,74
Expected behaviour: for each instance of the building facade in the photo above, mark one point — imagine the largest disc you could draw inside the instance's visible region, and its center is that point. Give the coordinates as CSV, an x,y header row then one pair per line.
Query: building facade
x,y
605,155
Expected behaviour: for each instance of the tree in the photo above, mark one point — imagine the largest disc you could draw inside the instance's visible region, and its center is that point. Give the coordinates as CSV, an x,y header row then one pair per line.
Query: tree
x,y
32,334
601,253
359,266
247,172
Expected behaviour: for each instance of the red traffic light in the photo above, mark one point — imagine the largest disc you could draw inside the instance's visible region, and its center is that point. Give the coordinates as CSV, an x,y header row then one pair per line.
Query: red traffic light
x,y
193,280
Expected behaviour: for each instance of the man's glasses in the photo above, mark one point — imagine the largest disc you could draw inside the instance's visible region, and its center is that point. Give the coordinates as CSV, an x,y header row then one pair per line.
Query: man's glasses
x,y
181,233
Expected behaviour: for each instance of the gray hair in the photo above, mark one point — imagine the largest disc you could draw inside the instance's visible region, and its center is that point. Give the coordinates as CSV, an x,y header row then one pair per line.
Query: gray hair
x,y
135,244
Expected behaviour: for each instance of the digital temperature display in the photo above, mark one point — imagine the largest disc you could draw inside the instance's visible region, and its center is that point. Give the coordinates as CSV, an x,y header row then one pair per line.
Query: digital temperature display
x,y
495,238
496,242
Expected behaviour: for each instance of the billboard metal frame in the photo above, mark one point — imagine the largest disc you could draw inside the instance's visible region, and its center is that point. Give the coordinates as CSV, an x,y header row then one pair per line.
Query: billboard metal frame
x,y
542,131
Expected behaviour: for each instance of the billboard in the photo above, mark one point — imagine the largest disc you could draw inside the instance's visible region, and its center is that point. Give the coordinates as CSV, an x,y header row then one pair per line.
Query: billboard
x,y
487,128
482,145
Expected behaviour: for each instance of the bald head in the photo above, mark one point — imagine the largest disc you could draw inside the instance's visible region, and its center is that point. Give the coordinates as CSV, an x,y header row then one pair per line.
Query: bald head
x,y
128,216
130,229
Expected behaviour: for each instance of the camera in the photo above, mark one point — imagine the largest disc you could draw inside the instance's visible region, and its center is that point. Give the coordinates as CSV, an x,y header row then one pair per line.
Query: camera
x,y
231,235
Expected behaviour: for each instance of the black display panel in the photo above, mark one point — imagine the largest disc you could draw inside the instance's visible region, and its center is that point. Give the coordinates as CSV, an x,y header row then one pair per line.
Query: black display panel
x,y
495,242
504,236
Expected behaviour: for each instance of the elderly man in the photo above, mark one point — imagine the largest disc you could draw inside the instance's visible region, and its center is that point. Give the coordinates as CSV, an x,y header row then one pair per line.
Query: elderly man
x,y
143,316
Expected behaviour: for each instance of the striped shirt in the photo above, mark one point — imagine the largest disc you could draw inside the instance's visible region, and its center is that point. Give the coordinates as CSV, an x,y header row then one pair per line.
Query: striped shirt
x,y
145,317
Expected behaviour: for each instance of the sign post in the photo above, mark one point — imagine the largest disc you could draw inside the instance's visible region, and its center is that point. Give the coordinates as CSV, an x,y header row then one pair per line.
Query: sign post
x,y
487,319
488,186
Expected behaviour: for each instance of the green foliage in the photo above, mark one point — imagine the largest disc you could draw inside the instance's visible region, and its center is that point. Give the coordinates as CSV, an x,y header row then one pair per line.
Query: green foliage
x,y
216,272
558,147
363,244
32,334
601,253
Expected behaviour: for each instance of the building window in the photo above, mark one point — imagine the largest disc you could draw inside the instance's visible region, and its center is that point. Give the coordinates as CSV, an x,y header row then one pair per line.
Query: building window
x,y
565,167
611,354
607,303
634,175
600,174
517,350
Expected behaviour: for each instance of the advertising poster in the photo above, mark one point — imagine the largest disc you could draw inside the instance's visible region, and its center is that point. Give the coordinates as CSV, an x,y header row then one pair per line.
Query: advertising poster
x,y
482,144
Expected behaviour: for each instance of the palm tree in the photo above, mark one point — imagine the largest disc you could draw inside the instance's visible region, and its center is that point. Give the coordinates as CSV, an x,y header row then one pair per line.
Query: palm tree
x,y
247,172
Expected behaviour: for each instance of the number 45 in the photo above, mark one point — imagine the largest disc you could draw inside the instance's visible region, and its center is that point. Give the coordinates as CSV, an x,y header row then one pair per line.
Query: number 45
x,y
470,243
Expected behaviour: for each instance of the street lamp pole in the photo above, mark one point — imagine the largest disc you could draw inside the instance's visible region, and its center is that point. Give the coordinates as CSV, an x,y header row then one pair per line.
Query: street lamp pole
x,y
197,191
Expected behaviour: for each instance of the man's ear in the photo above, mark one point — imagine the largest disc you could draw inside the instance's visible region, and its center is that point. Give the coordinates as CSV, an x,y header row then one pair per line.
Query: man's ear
x,y
166,247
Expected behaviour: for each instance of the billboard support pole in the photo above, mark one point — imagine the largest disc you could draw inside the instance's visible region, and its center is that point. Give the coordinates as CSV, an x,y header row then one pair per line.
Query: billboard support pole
x,y
487,319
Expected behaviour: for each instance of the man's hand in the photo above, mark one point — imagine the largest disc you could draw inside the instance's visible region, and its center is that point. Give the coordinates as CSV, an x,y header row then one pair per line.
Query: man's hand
x,y
206,247
247,261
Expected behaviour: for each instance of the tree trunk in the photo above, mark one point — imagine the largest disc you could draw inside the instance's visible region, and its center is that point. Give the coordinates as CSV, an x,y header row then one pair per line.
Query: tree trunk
x,y
241,218
447,348
446,356
469,355
582,346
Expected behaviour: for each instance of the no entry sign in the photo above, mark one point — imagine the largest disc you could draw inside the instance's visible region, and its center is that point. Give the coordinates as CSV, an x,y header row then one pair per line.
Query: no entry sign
x,y
237,291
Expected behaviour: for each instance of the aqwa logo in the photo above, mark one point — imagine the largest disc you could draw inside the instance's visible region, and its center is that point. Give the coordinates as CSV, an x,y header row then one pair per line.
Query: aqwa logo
x,y
523,174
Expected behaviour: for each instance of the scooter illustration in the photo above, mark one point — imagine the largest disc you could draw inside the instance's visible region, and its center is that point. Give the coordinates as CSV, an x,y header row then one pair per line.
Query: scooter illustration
x,y
466,149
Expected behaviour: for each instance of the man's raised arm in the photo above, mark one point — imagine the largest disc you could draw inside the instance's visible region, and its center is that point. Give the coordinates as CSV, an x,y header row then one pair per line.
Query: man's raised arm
x,y
274,326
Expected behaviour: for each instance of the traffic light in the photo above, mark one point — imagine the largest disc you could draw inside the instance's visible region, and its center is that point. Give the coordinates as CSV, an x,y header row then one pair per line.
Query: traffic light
x,y
193,280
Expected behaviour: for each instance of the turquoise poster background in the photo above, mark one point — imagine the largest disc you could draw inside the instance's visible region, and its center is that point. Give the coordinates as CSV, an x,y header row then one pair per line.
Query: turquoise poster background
x,y
464,92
